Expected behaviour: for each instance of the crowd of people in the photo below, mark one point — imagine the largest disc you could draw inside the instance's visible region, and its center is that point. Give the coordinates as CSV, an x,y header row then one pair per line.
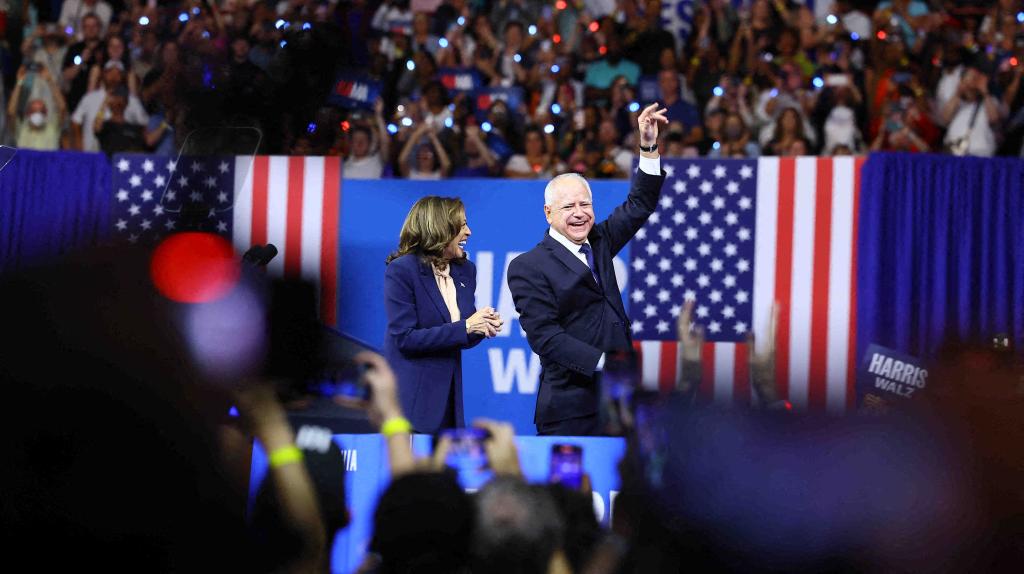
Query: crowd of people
x,y
123,364
122,458
517,88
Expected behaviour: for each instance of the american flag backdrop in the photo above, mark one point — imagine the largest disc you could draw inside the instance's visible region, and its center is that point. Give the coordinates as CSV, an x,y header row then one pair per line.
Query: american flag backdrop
x,y
291,202
736,236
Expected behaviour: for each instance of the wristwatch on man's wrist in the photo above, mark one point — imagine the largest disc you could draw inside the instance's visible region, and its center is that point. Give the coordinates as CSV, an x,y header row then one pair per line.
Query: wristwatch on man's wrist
x,y
653,147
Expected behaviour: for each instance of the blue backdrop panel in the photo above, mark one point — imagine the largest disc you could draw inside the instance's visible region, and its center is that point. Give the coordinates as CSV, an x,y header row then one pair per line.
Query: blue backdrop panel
x,y
367,476
507,218
940,251
52,203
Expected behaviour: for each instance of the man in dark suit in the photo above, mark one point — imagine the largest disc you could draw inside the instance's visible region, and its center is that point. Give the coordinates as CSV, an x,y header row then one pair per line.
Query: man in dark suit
x,y
566,293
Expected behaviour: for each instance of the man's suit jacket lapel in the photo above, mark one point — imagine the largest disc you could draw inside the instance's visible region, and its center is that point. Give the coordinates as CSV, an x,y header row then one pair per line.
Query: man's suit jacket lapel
x,y
569,261
430,286
606,269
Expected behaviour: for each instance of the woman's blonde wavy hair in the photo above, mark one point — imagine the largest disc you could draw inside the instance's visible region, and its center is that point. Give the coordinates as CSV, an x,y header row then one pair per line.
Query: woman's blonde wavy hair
x,y
432,223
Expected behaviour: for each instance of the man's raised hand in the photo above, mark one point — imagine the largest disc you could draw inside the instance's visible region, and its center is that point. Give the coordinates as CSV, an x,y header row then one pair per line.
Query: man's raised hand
x,y
648,122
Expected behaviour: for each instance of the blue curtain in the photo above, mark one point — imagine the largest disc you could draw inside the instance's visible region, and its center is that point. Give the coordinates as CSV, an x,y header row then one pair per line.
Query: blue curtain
x,y
940,251
52,203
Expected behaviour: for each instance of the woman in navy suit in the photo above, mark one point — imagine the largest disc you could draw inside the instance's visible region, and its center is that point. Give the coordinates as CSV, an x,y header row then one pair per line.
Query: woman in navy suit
x,y
429,288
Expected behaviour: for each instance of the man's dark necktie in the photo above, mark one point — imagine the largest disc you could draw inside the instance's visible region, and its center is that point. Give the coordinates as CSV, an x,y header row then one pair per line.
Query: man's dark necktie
x,y
589,253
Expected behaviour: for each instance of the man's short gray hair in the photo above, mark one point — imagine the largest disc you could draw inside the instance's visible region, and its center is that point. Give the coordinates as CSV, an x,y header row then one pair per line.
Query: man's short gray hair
x,y
549,190
518,527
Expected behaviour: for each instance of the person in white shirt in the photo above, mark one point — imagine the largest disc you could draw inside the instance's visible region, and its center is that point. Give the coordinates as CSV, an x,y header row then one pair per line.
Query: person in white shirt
x,y
92,105
362,163
952,72
72,12
367,158
970,114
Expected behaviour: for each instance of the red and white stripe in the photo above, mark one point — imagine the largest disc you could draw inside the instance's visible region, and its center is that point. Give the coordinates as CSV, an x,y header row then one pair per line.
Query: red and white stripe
x,y
292,202
806,259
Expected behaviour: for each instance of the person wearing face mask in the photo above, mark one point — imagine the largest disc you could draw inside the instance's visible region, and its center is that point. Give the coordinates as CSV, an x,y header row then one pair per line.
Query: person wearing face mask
x,y
840,130
429,288
837,112
566,292
36,127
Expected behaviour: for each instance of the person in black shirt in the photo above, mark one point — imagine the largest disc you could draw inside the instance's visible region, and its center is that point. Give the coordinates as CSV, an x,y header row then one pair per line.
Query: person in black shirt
x,y
645,39
112,130
79,59
248,85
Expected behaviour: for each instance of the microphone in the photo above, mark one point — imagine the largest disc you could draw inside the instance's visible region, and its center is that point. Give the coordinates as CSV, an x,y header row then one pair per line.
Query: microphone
x,y
260,255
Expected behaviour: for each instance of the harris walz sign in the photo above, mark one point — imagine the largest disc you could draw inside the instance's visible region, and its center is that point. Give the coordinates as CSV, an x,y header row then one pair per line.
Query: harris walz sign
x,y
886,377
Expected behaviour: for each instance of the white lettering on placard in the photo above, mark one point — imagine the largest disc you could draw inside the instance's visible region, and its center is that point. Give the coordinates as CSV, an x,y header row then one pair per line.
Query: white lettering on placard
x,y
621,273
484,295
514,369
611,505
897,371
598,506
350,459
463,82
876,363
360,92
894,387
485,289
310,437
506,305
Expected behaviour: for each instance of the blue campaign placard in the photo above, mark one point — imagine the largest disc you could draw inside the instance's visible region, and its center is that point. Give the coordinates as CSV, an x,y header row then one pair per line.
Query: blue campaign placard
x,y
886,377
355,90
500,375
459,79
485,97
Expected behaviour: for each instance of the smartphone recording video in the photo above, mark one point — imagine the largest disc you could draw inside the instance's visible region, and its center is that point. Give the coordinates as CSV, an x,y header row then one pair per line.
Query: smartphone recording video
x,y
836,80
566,466
467,456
